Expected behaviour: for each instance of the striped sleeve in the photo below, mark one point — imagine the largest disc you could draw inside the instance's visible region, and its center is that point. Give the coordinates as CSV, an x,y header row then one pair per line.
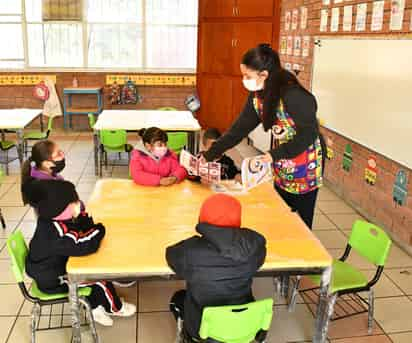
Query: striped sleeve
x,y
76,243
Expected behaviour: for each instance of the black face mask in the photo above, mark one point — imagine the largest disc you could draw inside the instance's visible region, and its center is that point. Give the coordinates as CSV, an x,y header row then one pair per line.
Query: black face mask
x,y
58,166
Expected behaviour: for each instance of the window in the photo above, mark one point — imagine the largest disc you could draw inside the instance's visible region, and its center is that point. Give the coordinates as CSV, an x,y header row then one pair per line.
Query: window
x,y
141,35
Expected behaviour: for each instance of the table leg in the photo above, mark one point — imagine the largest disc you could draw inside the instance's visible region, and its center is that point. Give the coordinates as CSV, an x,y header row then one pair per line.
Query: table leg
x,y
20,146
196,142
96,152
324,308
41,122
75,311
284,286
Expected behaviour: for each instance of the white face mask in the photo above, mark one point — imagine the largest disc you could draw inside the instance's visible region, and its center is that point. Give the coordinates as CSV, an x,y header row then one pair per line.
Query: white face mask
x,y
252,85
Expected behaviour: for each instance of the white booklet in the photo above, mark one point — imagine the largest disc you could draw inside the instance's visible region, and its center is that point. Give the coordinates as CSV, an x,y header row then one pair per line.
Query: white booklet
x,y
210,171
255,171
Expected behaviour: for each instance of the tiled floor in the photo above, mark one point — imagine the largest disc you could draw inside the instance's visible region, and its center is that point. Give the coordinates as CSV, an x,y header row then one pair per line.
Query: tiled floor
x,y
393,313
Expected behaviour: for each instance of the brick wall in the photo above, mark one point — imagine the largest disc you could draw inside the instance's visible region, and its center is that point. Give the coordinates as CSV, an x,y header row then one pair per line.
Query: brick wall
x,y
375,202
152,96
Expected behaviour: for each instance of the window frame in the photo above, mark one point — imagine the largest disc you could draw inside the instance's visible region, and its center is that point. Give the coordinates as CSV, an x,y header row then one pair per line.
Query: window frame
x,y
85,37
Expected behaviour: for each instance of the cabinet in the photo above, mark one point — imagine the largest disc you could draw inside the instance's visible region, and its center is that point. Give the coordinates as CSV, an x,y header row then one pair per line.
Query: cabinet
x,y
227,29
236,8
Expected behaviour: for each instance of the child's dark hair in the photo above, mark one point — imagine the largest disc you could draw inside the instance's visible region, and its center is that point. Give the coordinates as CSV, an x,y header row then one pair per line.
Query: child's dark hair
x,y
153,135
264,58
211,133
40,152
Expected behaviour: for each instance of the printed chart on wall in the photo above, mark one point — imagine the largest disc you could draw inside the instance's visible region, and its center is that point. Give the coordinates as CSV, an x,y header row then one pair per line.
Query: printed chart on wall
x,y
371,102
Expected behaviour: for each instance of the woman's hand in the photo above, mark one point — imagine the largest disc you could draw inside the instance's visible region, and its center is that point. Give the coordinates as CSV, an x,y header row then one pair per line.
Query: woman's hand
x,y
267,158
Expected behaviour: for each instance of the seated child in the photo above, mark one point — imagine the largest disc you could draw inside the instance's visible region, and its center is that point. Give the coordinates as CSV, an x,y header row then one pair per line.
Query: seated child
x,y
229,170
218,266
45,163
152,163
60,234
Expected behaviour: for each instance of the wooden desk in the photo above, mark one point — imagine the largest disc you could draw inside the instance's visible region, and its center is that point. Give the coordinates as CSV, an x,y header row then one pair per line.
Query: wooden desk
x,y
134,120
142,221
17,119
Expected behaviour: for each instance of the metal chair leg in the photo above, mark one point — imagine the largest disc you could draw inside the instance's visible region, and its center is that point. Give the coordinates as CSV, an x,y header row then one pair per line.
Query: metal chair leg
x,y
295,292
3,222
101,162
90,319
371,309
34,320
7,162
105,160
284,286
179,331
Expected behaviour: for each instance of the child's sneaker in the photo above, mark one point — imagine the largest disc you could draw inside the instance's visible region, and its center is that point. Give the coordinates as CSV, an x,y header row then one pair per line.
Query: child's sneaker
x,y
127,310
100,316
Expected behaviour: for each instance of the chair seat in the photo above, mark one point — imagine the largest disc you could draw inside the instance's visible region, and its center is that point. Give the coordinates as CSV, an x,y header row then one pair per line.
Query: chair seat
x,y
344,277
38,135
6,145
37,293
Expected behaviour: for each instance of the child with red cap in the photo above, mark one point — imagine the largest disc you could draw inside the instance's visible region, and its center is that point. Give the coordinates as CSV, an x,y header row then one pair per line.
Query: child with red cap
x,y
60,234
218,265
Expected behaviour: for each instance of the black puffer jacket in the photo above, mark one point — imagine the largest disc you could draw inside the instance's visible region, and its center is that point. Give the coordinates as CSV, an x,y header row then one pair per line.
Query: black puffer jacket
x,y
218,267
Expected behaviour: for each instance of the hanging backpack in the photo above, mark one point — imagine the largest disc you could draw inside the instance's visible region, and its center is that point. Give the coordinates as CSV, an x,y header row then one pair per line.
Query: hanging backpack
x,y
115,94
41,91
129,93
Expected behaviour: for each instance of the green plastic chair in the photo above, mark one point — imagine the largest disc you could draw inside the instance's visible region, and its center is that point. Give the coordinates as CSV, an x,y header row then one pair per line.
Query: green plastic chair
x,y
177,141
3,222
373,244
6,146
18,251
237,323
111,141
37,135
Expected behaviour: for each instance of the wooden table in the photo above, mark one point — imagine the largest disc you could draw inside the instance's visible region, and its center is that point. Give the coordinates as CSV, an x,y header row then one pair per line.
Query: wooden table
x,y
134,120
17,119
142,221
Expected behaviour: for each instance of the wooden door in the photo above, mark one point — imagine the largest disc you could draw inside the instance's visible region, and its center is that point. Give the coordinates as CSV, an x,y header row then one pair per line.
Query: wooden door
x,y
216,101
254,8
217,8
216,48
248,35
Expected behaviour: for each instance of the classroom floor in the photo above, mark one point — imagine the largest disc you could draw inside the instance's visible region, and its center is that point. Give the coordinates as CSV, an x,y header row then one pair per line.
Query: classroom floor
x,y
154,324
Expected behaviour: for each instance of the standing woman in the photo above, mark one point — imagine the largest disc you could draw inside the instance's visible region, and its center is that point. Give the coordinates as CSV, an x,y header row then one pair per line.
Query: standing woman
x,y
283,105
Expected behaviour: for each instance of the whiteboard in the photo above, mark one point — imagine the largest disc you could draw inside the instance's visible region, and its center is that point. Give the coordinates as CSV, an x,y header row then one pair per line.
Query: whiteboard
x,y
364,92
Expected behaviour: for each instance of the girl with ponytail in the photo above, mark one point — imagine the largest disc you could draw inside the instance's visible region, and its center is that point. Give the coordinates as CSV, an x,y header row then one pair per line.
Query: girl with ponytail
x,y
281,104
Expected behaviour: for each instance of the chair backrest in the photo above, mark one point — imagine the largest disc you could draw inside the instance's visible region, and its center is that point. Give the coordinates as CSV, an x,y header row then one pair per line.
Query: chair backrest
x,y
92,120
236,324
370,241
113,138
18,251
167,108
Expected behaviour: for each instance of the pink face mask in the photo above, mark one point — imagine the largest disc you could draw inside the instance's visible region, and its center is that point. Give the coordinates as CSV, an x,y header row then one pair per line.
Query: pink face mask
x,y
159,151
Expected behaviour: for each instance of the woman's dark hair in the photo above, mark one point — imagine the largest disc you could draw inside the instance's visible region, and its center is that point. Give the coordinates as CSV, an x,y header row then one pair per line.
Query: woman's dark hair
x,y
40,152
211,134
262,58
153,135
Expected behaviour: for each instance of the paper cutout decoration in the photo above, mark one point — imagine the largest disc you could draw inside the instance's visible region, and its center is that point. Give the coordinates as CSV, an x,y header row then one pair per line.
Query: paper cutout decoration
x,y
347,18
400,190
397,13
297,46
289,49
255,171
288,18
324,15
347,158
303,18
283,45
295,15
288,66
334,22
377,15
361,13
210,171
371,171
305,46
329,151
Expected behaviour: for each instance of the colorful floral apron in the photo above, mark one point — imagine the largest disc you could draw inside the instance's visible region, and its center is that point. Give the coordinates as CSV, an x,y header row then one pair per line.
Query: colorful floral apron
x,y
303,173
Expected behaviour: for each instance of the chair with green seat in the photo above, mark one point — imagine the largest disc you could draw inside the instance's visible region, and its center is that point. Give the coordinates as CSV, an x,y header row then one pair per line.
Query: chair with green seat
x,y
177,141
37,135
111,141
237,323
371,243
6,146
18,251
